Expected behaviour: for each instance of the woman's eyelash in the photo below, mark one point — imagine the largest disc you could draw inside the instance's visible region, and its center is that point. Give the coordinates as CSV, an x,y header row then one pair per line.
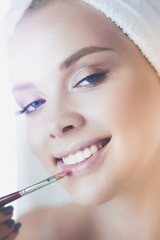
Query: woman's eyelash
x,y
89,81
92,80
31,107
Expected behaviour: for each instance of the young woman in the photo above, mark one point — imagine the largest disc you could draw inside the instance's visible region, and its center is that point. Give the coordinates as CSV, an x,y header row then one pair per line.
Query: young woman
x,y
88,84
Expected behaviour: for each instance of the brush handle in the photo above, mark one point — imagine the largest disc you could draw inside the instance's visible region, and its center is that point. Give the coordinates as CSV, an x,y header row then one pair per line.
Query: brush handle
x,y
9,198
37,186
13,196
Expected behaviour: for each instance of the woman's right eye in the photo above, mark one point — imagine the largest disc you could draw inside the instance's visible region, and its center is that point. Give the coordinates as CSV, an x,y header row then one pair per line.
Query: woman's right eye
x,y
92,80
31,107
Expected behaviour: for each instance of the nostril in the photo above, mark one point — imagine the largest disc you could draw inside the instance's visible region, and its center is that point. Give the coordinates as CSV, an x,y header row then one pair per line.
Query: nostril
x,y
59,132
65,129
51,136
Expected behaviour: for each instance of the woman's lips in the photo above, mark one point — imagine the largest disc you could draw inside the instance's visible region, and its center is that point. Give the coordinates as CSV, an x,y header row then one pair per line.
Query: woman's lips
x,y
86,165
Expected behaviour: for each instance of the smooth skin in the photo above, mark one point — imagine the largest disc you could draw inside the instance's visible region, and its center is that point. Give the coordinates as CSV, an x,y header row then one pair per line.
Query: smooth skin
x,y
120,195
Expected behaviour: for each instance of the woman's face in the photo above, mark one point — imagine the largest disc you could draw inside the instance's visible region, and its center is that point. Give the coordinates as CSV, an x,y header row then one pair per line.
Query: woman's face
x,y
90,99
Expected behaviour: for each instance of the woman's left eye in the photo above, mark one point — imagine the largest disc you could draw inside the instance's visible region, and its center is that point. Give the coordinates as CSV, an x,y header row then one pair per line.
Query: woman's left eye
x,y
91,80
32,107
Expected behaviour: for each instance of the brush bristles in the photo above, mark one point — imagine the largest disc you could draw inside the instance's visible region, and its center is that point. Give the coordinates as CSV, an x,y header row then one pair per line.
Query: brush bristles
x,y
60,175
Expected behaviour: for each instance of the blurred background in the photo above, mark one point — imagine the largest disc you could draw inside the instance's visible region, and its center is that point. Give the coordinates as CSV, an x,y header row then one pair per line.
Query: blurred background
x,y
18,167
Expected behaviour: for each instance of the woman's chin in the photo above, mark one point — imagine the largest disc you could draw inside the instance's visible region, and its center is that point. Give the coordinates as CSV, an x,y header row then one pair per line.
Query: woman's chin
x,y
90,195
89,199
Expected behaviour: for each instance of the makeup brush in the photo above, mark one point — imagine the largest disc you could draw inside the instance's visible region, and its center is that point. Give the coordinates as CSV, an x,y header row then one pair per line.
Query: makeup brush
x,y
13,196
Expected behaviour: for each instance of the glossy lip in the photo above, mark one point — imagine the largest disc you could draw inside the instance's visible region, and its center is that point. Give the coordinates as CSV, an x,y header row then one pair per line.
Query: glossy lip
x,y
83,167
86,165
72,149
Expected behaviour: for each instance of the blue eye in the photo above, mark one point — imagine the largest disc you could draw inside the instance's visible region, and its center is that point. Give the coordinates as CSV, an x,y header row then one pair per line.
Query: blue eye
x,y
32,107
92,79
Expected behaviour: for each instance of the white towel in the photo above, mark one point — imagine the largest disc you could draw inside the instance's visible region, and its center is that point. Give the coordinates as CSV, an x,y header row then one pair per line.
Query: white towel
x,y
139,19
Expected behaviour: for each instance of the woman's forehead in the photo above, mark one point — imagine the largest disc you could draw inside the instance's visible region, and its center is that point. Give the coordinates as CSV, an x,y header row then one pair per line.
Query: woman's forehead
x,y
66,15
74,22
54,33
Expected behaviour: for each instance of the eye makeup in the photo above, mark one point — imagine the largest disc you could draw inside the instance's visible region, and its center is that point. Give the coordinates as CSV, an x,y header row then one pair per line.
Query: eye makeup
x,y
92,79
90,71
31,107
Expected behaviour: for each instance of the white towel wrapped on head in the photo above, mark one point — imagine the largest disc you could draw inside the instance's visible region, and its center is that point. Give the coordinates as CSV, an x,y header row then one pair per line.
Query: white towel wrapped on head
x,y
139,19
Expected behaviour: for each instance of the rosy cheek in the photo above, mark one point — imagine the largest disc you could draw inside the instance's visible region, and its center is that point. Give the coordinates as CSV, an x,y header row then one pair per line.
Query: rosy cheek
x,y
39,144
119,110
114,110
34,138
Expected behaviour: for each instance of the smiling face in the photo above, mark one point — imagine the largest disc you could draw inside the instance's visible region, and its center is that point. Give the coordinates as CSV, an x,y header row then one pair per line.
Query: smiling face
x,y
90,99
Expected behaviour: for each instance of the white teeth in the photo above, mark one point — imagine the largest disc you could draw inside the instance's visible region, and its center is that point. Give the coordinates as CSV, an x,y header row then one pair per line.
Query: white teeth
x,y
93,149
87,153
69,160
81,155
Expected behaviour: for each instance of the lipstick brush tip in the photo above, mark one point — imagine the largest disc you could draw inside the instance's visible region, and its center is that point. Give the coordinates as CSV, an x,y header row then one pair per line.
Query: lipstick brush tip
x,y
60,175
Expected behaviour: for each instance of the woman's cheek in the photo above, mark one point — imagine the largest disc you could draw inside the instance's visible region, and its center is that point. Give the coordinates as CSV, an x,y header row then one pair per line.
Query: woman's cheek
x,y
34,137
38,143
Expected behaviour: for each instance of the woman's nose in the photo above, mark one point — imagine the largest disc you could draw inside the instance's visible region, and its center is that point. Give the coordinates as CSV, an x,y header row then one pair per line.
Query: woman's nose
x,y
65,123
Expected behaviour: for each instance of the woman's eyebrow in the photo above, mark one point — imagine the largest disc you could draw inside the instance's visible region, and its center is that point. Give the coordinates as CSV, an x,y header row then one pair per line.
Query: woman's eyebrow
x,y
66,64
22,87
81,53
